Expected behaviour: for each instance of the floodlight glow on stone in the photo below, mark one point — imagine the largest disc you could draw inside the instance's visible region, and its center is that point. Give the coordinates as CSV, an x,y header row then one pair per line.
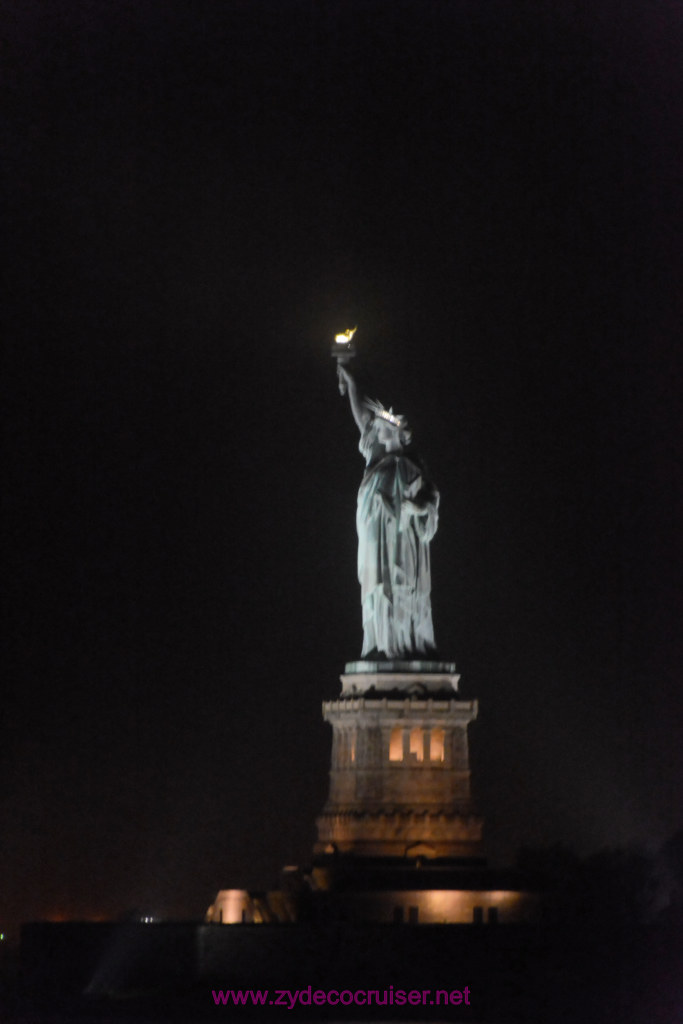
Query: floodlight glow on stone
x,y
346,336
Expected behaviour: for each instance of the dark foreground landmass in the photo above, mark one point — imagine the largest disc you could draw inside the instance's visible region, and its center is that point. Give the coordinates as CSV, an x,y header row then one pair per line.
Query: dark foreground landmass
x,y
551,972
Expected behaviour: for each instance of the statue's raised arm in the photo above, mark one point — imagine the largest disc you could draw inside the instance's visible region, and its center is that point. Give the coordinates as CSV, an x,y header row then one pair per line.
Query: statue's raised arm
x,y
397,517
357,399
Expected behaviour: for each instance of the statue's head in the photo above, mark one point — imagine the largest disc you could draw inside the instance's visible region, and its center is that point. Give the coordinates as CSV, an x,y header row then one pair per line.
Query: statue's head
x,y
392,428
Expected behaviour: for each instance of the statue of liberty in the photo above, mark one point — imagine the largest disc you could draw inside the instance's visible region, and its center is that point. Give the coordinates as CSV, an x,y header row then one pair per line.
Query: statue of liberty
x,y
397,517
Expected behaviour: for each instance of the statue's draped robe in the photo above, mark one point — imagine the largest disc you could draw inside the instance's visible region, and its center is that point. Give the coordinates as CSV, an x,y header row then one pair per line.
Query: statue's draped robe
x,y
393,550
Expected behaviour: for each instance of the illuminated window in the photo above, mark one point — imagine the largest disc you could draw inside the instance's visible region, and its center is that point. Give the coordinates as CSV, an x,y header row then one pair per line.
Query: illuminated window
x,y
436,739
396,745
417,743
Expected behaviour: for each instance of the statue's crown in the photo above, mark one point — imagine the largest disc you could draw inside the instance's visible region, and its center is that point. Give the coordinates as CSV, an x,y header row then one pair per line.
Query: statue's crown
x,y
385,414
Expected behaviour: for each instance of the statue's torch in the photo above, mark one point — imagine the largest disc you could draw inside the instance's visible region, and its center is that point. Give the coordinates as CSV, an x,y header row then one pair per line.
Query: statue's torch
x,y
343,349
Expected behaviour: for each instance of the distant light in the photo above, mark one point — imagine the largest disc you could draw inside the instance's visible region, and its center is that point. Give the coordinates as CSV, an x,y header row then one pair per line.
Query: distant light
x,y
2,936
147,920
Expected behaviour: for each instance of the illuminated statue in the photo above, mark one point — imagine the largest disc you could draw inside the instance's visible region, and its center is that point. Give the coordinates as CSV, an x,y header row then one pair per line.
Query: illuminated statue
x,y
396,519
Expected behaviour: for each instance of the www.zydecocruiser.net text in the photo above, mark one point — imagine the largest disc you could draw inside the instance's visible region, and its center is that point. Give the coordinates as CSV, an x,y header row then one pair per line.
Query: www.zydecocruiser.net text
x,y
309,996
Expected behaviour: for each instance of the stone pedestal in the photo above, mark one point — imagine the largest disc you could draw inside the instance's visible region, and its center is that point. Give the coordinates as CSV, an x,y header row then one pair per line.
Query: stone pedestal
x,y
400,776
398,838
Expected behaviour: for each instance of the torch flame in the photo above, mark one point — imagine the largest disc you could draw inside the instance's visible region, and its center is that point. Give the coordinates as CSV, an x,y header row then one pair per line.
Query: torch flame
x,y
345,338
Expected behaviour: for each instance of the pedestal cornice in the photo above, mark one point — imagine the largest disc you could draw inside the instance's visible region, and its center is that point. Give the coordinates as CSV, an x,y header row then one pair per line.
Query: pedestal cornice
x,y
413,678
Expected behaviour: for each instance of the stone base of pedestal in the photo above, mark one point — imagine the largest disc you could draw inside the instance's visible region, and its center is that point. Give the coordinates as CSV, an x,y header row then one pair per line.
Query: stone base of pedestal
x,y
408,834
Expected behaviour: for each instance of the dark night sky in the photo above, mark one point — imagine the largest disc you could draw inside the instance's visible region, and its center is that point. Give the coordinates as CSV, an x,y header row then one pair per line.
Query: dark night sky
x,y
198,195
